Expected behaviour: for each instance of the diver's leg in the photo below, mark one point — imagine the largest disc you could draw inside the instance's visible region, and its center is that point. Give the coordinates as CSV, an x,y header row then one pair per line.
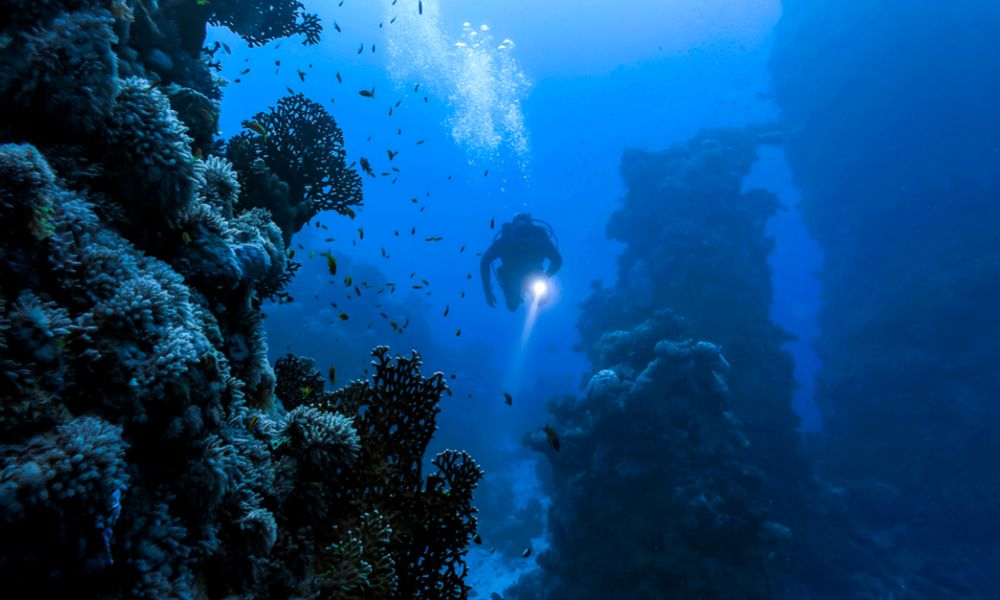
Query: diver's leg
x,y
511,288
513,299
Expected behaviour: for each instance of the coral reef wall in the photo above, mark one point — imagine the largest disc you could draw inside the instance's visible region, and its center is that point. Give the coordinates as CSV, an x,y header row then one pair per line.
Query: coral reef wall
x,y
679,473
147,449
894,145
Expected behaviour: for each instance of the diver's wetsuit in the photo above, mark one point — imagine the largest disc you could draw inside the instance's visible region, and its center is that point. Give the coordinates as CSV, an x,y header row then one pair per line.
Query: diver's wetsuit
x,y
522,247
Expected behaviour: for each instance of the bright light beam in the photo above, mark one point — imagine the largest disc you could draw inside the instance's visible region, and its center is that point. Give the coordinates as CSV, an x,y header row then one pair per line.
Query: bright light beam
x,y
539,289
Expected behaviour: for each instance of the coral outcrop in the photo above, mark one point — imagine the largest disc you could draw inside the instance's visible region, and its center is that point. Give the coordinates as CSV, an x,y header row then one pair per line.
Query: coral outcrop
x,y
680,473
652,495
145,451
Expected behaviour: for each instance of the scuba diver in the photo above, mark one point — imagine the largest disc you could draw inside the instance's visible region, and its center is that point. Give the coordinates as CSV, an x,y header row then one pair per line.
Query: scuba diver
x,y
521,246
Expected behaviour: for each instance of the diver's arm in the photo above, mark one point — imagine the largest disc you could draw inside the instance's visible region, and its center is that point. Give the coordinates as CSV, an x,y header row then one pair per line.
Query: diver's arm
x,y
555,260
485,266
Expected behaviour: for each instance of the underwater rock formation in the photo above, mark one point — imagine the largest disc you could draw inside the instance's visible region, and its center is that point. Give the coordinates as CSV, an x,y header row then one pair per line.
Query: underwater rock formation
x,y
680,472
144,448
651,492
695,243
895,150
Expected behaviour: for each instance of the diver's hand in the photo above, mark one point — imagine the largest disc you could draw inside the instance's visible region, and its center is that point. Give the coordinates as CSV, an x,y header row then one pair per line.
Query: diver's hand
x,y
491,300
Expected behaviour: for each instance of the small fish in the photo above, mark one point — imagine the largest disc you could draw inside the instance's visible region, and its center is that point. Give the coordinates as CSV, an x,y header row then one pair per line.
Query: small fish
x,y
361,233
336,26
392,154
256,127
493,222
186,238
419,142
550,435
458,332
357,291
413,230
343,316
445,311
433,238
277,63
526,553
366,166
245,71
367,93
348,281
331,264
390,111
416,88
226,48
425,100
361,48
398,102
392,20
461,250
486,172
302,75
305,391
508,399
373,48
476,539
339,78
420,7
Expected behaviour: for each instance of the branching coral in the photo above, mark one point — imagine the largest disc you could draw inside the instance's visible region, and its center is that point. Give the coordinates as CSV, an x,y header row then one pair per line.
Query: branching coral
x,y
431,520
298,381
260,22
297,167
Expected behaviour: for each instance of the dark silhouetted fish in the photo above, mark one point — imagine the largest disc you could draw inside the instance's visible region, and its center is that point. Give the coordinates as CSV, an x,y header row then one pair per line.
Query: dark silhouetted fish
x,y
550,435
